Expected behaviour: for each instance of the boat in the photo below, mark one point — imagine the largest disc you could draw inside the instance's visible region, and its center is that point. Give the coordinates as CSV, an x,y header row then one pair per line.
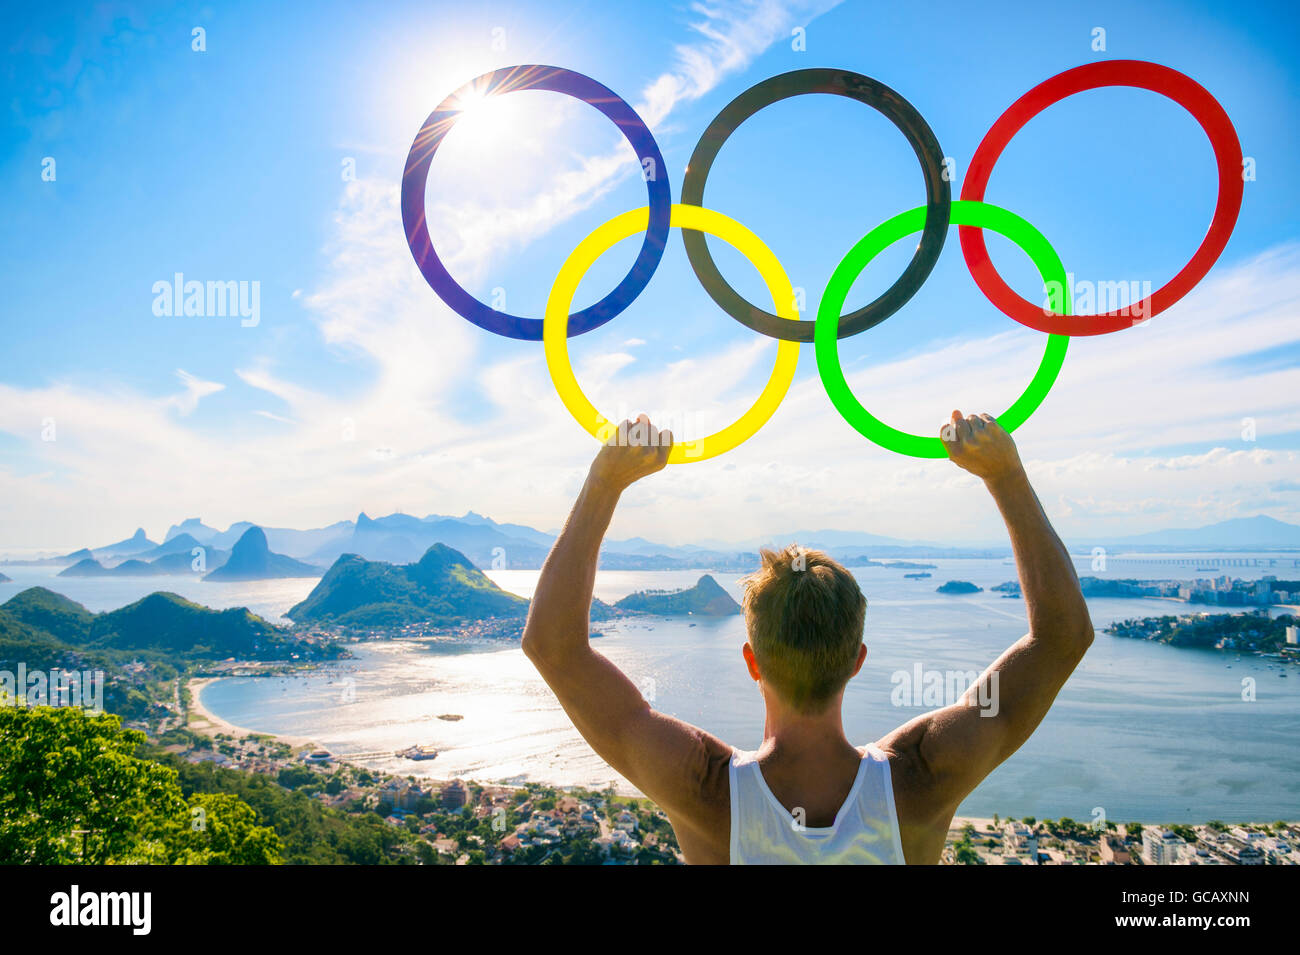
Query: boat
x,y
418,752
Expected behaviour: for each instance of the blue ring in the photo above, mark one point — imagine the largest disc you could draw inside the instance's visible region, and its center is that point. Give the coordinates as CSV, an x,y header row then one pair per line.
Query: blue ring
x,y
556,80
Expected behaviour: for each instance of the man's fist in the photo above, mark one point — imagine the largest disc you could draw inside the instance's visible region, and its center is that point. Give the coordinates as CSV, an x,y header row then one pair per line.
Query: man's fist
x,y
635,449
980,445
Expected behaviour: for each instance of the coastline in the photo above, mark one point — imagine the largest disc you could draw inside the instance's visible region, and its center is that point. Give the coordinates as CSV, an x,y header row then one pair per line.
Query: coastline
x,y
200,719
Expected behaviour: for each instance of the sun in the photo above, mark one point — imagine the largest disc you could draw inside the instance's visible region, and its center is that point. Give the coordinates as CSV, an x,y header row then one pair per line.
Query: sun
x,y
489,120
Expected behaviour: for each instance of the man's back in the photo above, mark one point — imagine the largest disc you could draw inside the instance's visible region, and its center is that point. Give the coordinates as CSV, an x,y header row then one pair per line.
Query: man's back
x,y
767,830
804,618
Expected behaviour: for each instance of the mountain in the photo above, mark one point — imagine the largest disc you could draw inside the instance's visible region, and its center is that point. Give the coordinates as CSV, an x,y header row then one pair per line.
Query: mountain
x,y
252,559
287,540
138,649
54,613
442,587
181,543
522,532
89,567
162,623
133,568
128,568
706,598
183,562
172,624
135,544
4,579
403,538
194,527
1239,533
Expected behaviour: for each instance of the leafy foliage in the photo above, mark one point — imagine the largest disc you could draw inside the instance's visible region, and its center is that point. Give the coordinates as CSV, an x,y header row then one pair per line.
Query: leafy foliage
x,y
73,789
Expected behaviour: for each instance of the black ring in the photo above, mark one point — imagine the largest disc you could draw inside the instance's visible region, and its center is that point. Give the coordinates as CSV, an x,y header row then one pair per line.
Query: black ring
x,y
938,197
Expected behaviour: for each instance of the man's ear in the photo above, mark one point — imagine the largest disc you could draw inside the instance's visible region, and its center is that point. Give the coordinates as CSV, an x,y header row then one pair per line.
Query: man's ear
x,y
862,656
750,661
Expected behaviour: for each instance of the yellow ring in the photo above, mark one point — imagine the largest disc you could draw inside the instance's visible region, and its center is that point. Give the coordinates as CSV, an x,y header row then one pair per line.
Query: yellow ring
x,y
556,321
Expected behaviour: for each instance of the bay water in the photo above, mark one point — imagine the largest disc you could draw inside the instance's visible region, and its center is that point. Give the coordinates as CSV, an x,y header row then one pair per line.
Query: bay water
x,y
1142,731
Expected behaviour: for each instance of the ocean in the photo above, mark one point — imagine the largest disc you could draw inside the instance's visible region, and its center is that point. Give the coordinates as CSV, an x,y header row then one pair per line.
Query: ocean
x,y
1142,732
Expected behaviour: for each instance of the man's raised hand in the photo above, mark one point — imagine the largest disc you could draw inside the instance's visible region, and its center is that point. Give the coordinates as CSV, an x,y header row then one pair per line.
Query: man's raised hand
x,y
635,449
978,444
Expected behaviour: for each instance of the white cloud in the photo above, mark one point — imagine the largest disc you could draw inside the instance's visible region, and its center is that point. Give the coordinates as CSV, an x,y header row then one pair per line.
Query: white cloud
x,y
1143,429
195,390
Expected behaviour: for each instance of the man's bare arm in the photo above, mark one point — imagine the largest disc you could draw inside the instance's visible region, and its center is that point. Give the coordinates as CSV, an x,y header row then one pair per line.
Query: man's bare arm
x,y
958,746
670,761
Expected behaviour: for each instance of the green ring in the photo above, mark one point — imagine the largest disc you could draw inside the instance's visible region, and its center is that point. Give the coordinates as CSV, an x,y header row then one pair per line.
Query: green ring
x,y
964,212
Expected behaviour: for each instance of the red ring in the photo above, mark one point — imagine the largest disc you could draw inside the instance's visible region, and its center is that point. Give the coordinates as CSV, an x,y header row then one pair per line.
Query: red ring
x,y
1138,73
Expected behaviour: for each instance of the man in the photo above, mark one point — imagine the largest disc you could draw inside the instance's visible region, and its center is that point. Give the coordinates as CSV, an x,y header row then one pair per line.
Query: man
x,y
807,794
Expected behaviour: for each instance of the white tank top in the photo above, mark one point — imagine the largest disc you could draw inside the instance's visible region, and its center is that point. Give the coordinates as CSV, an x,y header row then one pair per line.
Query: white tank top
x,y
865,830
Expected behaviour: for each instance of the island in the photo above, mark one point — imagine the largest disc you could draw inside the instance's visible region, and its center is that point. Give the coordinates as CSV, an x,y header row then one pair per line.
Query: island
x,y
443,587
958,587
173,564
1251,632
706,599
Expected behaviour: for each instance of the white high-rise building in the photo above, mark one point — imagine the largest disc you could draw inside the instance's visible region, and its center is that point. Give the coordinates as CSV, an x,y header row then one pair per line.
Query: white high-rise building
x,y
1161,847
1293,636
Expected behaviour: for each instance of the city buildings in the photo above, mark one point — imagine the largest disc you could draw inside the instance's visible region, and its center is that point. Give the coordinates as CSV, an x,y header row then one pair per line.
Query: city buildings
x,y
1161,846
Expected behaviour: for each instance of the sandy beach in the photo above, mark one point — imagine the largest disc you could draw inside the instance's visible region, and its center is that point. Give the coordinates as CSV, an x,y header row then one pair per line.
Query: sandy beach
x,y
980,823
202,720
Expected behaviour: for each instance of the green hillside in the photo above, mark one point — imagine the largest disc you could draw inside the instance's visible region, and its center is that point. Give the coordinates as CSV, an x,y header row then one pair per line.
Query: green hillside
x,y
54,613
442,587
172,624
706,598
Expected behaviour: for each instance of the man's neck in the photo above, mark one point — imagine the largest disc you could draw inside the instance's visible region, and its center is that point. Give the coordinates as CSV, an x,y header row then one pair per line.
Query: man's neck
x,y
799,736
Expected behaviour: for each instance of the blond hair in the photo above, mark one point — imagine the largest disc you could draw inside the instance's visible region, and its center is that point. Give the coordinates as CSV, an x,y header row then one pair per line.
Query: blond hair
x,y
804,613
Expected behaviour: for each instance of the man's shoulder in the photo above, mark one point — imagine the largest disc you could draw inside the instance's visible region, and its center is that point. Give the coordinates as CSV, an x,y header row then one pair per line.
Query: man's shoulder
x,y
918,794
714,771
702,820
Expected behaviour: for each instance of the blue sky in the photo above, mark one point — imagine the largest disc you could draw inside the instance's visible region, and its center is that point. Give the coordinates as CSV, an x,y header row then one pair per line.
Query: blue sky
x,y
358,390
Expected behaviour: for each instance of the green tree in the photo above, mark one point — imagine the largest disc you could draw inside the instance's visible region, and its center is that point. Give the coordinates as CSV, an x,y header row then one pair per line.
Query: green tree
x,y
965,854
63,770
291,777
73,789
218,829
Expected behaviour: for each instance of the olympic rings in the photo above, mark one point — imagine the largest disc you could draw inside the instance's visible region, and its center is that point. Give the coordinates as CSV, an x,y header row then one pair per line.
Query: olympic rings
x,y
970,213
556,80
555,339
964,213
938,195
1184,91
